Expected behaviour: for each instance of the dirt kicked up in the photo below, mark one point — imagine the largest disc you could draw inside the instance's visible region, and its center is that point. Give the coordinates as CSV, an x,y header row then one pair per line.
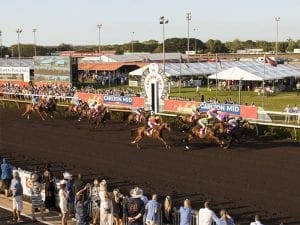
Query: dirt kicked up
x,y
255,177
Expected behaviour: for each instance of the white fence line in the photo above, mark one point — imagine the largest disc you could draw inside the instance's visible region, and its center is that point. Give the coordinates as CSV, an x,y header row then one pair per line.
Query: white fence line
x,y
51,96
279,113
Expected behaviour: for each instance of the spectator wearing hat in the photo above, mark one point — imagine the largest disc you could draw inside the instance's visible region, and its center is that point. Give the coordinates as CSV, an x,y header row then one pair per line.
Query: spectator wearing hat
x,y
6,175
135,207
225,219
117,203
36,197
63,201
82,207
106,210
152,210
206,215
95,198
168,211
186,212
257,220
48,179
17,196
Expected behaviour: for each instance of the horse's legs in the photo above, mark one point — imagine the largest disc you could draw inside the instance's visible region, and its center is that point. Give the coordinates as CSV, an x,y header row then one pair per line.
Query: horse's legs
x,y
188,140
164,142
26,111
40,114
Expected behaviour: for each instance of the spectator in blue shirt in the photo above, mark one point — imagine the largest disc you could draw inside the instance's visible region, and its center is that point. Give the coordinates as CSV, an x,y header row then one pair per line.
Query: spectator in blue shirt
x,y
82,207
152,210
17,196
186,213
6,175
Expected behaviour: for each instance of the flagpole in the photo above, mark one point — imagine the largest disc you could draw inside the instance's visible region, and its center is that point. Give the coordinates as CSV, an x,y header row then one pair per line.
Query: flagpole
x,y
180,79
216,75
263,84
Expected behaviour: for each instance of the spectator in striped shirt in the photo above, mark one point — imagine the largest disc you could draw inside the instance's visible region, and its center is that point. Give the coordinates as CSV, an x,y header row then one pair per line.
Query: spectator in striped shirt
x,y
36,197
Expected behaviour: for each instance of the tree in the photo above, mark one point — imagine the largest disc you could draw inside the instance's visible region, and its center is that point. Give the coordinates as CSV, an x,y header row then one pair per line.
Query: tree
x,y
249,44
65,47
215,46
291,45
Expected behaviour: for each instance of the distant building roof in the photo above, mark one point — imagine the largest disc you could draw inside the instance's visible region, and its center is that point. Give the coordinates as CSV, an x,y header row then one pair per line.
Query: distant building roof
x,y
137,57
14,62
267,71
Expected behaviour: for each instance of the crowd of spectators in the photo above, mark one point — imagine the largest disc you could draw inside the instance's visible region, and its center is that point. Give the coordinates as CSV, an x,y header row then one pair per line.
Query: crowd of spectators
x,y
93,203
25,92
292,118
104,78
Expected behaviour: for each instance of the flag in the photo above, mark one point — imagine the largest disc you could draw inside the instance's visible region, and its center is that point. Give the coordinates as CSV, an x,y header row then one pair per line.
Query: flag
x,y
270,61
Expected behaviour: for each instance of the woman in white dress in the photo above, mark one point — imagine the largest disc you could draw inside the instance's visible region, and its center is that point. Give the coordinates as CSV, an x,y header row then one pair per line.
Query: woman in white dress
x,y
106,209
63,202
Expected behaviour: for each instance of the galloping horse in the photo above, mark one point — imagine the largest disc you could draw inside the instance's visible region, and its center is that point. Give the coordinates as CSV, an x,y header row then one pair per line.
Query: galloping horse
x,y
100,118
214,133
29,109
134,118
80,110
235,134
188,121
49,108
156,134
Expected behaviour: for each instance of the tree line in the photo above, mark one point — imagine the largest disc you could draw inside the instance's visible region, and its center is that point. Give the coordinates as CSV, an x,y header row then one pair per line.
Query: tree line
x,y
153,46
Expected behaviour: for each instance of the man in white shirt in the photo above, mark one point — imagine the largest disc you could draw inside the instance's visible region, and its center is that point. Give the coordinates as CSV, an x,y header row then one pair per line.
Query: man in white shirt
x,y
257,221
207,216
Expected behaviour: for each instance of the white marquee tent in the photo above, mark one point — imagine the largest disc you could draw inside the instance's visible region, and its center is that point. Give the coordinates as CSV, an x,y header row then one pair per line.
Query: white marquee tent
x,y
236,73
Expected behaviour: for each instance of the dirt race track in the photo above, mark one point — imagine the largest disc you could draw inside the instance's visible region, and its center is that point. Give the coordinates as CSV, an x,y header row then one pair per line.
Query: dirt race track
x,y
256,177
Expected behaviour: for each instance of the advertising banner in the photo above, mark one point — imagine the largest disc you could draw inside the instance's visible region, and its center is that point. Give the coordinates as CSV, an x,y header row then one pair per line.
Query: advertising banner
x,y
52,68
180,106
112,100
227,108
25,181
15,74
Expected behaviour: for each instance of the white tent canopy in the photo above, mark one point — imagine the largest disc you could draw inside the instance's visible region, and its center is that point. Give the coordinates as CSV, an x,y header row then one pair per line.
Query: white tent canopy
x,y
236,73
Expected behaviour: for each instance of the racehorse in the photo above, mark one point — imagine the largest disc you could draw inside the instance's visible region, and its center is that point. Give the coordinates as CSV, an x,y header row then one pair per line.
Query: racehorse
x,y
156,134
135,118
29,109
80,110
188,121
49,108
99,118
214,133
235,134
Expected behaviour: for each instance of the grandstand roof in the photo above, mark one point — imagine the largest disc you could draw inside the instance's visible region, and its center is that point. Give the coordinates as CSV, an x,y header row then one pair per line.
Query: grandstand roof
x,y
111,66
208,68
136,57
14,62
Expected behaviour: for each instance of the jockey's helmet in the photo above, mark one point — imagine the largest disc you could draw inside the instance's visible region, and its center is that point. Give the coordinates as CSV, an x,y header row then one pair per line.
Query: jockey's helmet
x,y
151,113
157,117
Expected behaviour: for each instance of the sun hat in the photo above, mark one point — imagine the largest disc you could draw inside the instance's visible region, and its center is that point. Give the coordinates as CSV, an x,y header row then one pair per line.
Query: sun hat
x,y
62,182
136,192
67,176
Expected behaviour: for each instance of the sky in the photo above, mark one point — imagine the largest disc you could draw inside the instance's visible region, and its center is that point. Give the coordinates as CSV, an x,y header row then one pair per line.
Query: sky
x,y
75,21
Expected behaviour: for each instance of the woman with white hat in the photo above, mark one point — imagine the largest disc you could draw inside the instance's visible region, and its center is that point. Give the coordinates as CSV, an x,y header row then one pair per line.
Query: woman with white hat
x,y
106,210
135,207
63,201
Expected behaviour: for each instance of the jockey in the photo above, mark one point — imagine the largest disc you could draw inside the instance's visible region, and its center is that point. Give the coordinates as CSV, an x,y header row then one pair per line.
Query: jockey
x,y
49,103
195,114
221,116
152,122
77,102
35,101
212,113
140,112
203,122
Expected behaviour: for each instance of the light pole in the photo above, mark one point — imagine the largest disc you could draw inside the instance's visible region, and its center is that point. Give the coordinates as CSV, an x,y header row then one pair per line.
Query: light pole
x,y
188,18
132,33
34,40
277,19
99,26
0,44
163,21
19,31
195,30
